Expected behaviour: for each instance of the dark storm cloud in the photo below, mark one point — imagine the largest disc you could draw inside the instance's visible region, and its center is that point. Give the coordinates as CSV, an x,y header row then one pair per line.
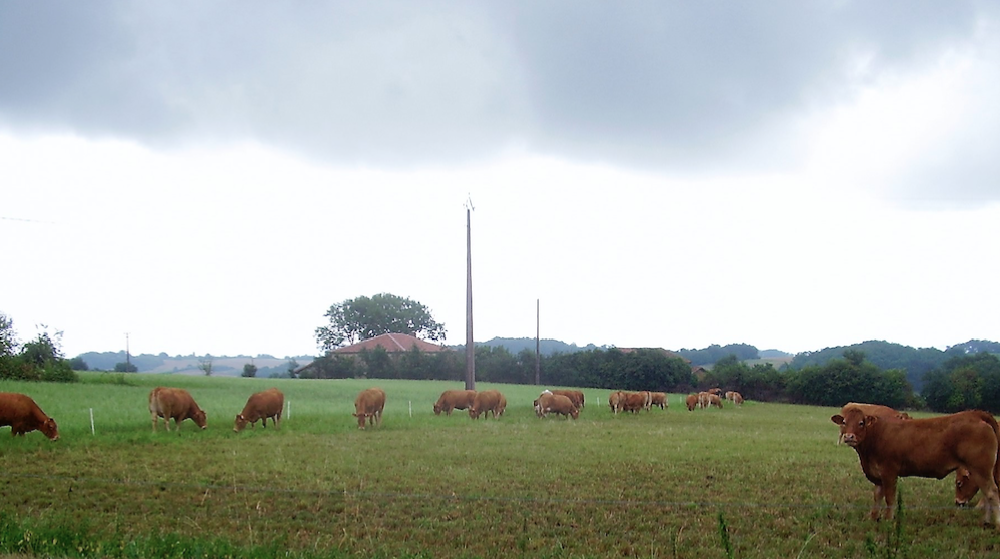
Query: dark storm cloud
x,y
663,84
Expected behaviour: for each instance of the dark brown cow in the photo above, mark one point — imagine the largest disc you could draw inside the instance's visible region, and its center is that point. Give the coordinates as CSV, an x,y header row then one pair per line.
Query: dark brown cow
x,y
369,405
692,401
488,401
932,448
454,400
635,401
23,415
262,405
176,404
575,396
557,403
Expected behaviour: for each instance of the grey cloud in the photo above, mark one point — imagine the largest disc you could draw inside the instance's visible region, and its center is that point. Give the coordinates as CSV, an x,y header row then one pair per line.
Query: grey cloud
x,y
680,85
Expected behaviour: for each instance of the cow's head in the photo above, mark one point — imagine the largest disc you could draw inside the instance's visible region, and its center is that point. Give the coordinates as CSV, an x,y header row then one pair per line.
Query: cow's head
x,y
437,409
49,429
965,488
361,419
854,425
473,412
200,419
241,423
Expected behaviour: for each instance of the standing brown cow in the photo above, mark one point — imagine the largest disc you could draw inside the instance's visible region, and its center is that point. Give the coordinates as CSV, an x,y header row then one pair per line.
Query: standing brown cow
x,y
369,405
658,399
693,401
933,448
488,401
454,400
262,405
23,415
617,401
176,404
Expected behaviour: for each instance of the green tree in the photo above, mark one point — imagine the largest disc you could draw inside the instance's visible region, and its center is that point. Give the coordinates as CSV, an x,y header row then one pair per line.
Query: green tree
x,y
8,337
78,364
205,364
366,317
126,367
249,370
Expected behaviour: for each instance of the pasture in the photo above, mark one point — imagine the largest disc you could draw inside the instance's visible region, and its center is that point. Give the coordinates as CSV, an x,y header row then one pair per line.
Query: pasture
x,y
653,484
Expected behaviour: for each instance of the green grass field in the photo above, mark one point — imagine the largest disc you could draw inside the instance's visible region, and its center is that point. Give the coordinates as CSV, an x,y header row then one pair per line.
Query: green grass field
x,y
646,485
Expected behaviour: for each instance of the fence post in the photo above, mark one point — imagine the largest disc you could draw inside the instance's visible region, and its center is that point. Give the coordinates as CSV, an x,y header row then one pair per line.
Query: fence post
x,y
410,402
92,431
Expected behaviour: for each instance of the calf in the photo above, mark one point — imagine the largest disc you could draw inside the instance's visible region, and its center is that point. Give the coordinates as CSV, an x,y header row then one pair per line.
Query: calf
x,y
176,404
454,400
262,405
933,448
23,415
368,406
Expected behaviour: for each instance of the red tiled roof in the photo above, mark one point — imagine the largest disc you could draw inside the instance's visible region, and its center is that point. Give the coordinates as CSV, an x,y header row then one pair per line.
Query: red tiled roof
x,y
391,343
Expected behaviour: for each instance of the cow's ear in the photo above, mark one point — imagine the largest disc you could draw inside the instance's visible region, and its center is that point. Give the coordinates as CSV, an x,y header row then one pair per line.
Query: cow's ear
x,y
838,419
871,420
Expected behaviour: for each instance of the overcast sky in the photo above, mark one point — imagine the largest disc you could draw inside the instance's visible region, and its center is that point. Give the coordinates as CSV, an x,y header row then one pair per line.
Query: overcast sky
x,y
210,176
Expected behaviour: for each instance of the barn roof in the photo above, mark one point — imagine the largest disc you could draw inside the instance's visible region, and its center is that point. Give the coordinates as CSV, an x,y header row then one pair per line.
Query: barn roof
x,y
391,343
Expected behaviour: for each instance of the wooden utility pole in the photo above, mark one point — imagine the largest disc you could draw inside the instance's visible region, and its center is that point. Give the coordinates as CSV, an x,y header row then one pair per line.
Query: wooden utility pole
x,y
470,346
538,343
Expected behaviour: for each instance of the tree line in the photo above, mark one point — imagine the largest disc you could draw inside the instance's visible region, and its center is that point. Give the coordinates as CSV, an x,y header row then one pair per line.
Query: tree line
x,y
39,359
963,381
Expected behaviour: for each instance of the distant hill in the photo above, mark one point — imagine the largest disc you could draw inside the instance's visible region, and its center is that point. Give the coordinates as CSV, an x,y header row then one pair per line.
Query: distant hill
x,y
885,355
267,365
775,354
545,346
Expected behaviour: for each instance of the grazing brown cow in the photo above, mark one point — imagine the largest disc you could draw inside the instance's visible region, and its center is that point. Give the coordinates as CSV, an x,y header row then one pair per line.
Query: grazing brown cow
x,y
704,398
692,401
369,405
454,400
932,448
635,401
658,399
575,396
557,403
488,401
617,401
714,400
262,405
176,404
23,415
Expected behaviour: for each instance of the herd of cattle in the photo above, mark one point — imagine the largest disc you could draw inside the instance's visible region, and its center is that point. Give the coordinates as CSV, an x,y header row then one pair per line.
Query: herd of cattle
x,y
890,444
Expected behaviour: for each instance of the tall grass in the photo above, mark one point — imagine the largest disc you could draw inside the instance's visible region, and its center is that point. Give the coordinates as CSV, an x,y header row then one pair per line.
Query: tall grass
x,y
655,484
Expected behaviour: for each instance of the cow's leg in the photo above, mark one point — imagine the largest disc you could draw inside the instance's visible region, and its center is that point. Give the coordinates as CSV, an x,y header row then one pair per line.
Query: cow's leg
x,y
889,488
991,495
878,494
